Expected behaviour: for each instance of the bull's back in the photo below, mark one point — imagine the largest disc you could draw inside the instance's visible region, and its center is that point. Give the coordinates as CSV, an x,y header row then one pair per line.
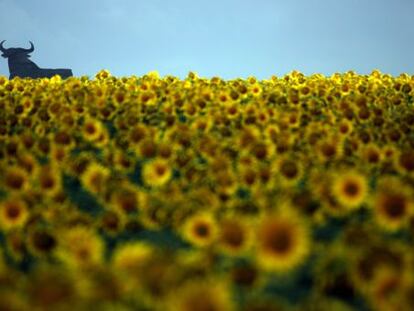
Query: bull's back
x,y
64,73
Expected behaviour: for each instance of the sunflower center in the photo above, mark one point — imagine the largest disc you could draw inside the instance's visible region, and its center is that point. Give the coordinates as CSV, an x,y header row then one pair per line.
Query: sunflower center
x,y
289,169
328,150
233,236
160,170
13,212
395,206
202,230
351,189
280,241
90,128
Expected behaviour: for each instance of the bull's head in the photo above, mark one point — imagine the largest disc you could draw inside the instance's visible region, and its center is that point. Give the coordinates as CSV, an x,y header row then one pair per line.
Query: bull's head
x,y
16,51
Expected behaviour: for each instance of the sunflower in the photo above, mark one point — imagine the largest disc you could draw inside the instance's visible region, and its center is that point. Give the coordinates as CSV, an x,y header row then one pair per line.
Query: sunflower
x,y
350,189
49,179
386,291
80,247
123,162
125,199
41,242
13,213
200,229
201,295
282,242
15,179
371,154
329,149
129,257
345,127
256,89
112,222
234,237
405,162
392,208
289,169
59,154
91,129
94,177
156,172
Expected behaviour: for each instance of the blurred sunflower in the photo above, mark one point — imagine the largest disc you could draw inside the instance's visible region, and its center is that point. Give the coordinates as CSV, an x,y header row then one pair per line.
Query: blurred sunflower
x,y
405,162
392,207
14,213
94,177
15,179
289,169
282,241
156,172
371,154
200,229
91,129
80,247
234,237
41,242
125,199
128,257
201,295
350,188
345,127
386,291
49,180
329,149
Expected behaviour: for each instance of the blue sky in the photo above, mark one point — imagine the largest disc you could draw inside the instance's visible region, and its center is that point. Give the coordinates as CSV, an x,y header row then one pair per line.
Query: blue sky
x,y
226,38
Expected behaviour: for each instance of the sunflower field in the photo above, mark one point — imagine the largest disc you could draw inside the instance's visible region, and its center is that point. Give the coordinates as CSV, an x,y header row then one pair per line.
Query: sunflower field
x,y
149,193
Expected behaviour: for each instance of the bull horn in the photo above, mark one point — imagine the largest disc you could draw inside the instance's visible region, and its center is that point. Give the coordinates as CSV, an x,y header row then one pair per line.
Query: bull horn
x,y
31,48
1,46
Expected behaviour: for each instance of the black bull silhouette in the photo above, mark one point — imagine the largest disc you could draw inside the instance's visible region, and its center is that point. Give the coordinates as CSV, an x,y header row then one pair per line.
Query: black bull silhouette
x,y
21,66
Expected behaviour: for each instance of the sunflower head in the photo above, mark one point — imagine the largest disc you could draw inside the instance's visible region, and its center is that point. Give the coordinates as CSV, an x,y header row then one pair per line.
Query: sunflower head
x,y
14,213
201,295
200,229
350,189
157,172
282,241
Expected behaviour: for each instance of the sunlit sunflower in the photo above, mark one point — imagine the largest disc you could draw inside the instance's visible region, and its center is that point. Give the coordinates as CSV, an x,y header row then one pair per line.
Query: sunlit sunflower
x,y
91,129
119,97
13,213
282,241
94,177
201,295
200,229
350,189
156,172
255,89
